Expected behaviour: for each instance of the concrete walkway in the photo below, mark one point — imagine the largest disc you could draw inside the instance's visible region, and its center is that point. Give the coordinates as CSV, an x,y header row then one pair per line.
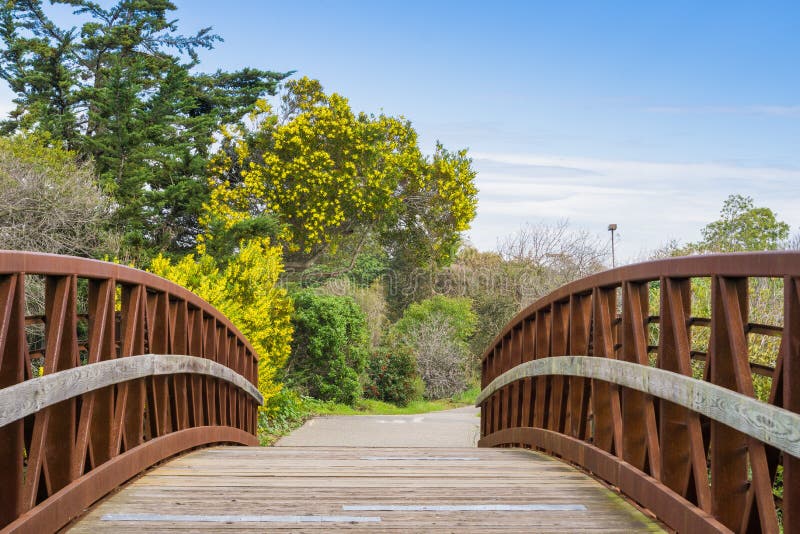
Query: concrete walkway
x,y
448,428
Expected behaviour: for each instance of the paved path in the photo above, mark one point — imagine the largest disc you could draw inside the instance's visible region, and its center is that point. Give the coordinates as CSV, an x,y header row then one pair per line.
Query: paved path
x,y
448,428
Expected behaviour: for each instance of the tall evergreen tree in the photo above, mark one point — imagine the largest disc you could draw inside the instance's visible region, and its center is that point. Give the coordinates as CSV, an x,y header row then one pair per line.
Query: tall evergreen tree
x,y
122,90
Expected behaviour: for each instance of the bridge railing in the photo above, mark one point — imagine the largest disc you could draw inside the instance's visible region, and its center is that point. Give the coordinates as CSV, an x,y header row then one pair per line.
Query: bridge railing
x,y
122,370
606,373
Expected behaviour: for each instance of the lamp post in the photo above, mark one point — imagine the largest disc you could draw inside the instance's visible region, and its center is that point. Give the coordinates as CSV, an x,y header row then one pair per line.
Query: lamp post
x,y
611,228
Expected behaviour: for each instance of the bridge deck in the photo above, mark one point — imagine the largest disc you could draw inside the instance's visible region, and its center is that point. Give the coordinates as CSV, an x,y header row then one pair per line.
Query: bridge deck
x,y
369,489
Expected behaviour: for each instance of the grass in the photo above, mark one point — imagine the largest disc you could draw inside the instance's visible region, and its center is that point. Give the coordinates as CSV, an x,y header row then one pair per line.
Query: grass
x,y
376,407
295,411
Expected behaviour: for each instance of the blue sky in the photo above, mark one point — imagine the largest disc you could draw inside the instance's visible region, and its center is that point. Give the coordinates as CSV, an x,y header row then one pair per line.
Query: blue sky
x,y
645,114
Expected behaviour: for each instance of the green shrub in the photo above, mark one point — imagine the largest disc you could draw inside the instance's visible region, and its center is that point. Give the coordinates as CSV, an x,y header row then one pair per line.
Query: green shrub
x,y
437,331
457,311
370,299
330,347
391,374
284,412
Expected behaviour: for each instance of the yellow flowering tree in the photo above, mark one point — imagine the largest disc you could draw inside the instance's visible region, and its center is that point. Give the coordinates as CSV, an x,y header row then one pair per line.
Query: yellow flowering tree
x,y
332,176
246,292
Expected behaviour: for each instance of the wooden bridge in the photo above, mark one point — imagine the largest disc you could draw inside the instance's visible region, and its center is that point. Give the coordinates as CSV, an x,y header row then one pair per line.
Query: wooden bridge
x,y
610,383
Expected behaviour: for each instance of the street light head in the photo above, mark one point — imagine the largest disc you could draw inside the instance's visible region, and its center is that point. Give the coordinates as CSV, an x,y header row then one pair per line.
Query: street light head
x,y
612,227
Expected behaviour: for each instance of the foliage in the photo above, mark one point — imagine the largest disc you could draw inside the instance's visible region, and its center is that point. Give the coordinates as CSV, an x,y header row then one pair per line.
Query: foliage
x,y
494,288
457,311
441,359
742,226
370,299
437,331
49,201
362,264
391,374
368,268
377,407
226,243
330,347
565,253
122,89
336,178
284,412
543,257
764,294
529,264
246,292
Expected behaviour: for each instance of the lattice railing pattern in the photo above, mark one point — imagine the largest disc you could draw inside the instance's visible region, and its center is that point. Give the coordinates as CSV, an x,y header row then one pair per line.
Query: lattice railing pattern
x,y
65,455
675,457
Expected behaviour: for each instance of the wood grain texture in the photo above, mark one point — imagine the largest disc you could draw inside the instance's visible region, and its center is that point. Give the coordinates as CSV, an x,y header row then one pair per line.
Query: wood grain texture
x,y
769,424
31,396
53,513
500,490
668,506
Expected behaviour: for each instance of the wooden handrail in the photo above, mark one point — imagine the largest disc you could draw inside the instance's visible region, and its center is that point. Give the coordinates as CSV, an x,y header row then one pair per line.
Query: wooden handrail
x,y
27,398
676,424
145,371
765,422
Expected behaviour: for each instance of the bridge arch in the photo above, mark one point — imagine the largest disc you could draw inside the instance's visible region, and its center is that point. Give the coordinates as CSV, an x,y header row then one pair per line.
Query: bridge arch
x,y
135,369
579,375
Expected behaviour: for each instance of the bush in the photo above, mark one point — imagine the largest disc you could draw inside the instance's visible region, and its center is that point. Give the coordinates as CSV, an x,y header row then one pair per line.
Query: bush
x,y
457,311
437,331
283,413
49,201
441,358
330,347
245,292
370,299
391,374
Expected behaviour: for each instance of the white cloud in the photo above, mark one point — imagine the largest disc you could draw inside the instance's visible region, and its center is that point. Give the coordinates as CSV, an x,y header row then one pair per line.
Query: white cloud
x,y
651,202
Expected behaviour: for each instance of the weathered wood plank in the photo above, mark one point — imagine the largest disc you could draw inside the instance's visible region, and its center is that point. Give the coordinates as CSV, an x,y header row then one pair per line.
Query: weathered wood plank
x,y
769,424
29,397
246,489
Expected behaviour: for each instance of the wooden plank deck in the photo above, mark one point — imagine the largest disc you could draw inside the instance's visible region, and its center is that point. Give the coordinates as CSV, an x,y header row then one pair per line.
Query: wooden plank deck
x,y
367,489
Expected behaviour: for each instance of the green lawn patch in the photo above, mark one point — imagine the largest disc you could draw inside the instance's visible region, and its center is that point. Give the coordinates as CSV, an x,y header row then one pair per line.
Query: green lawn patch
x,y
376,407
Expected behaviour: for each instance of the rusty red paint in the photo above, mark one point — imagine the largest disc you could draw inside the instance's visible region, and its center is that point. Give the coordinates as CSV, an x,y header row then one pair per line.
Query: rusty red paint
x,y
59,460
694,474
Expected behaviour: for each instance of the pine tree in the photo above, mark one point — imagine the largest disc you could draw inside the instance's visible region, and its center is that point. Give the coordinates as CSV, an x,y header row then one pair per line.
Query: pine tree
x,y
122,90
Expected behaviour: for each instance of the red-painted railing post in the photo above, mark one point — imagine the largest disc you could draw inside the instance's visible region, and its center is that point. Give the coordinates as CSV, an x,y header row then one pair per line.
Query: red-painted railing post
x,y
178,375
704,454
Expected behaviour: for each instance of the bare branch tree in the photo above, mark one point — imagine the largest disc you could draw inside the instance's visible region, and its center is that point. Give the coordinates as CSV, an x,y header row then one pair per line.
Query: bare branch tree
x,y
793,243
441,359
557,247
542,257
42,209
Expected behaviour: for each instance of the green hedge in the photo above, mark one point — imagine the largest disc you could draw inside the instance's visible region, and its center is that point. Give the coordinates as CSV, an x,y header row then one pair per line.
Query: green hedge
x,y
330,347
